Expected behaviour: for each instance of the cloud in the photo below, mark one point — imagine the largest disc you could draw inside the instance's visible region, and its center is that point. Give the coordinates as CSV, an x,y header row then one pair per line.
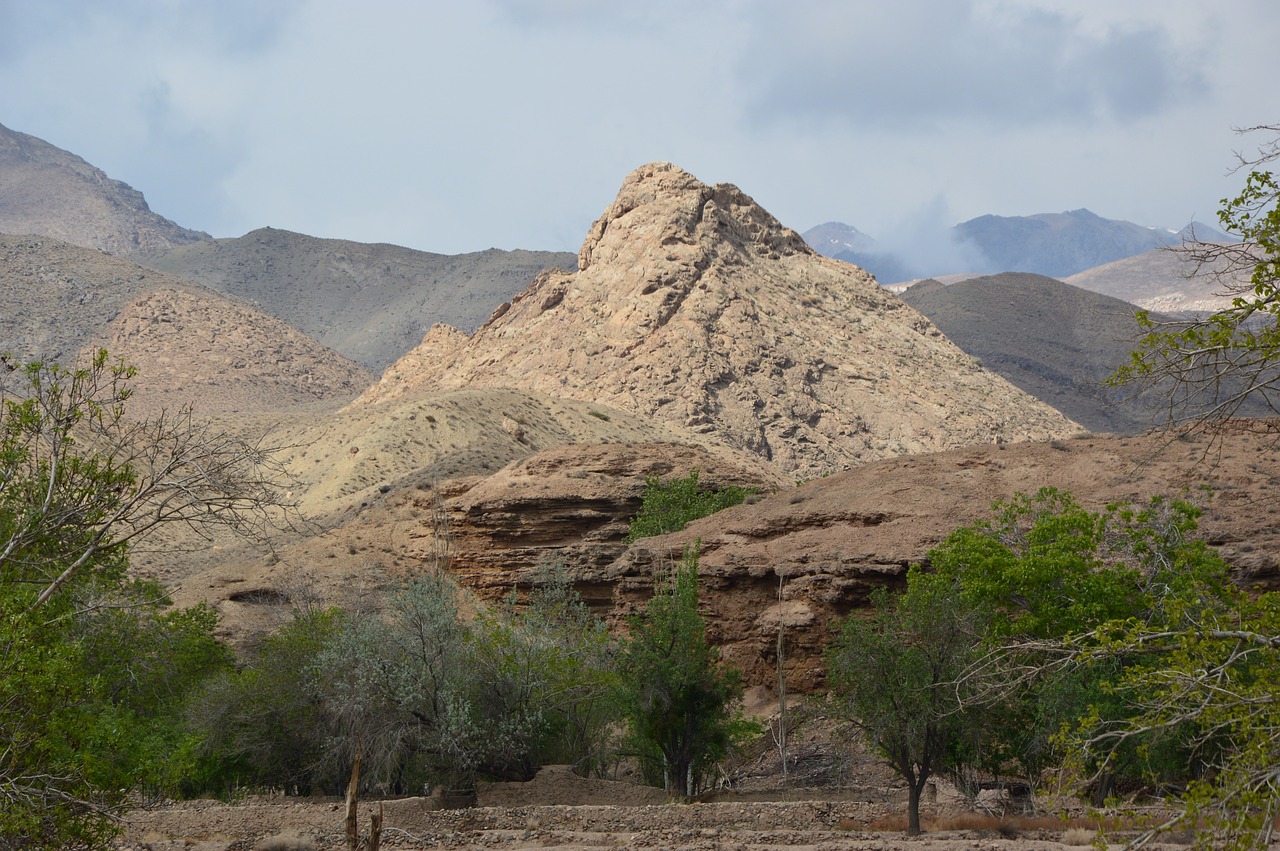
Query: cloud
x,y
888,66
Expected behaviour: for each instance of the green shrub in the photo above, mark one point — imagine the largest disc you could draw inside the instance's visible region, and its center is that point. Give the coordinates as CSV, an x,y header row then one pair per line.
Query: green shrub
x,y
670,506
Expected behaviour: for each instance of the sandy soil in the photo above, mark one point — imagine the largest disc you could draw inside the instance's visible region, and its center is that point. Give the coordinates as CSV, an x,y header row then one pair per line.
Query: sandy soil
x,y
559,810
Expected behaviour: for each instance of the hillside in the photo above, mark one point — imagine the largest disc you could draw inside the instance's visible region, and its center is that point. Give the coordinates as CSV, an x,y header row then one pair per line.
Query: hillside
x,y
692,305
47,191
190,344
370,302
1158,280
1055,341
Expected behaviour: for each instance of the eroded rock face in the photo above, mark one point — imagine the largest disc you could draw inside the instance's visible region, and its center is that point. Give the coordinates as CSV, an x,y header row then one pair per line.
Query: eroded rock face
x,y
694,306
570,505
833,540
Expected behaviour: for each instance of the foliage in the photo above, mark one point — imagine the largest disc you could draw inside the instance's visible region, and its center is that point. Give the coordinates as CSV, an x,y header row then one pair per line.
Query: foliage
x,y
93,668
670,506
1208,367
894,674
679,698
432,699
1209,680
264,725
1043,569
551,662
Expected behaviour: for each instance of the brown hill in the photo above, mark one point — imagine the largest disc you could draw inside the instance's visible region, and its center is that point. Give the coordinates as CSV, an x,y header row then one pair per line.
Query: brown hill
x,y
694,306
1159,280
224,357
831,540
834,539
190,344
47,191
370,302
1055,341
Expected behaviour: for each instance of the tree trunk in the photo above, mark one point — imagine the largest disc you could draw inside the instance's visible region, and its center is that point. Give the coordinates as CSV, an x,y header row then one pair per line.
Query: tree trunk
x,y
913,807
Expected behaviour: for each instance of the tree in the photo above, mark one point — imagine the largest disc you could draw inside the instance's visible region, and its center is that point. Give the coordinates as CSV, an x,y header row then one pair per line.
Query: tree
x,y
1210,680
1207,367
1044,569
669,506
679,698
81,484
90,664
894,675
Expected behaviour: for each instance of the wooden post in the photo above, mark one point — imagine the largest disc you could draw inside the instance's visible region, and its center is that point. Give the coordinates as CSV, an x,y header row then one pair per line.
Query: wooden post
x,y
353,796
375,829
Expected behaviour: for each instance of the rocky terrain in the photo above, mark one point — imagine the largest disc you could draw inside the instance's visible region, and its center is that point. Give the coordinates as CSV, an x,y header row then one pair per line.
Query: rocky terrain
x,y
693,306
371,303
1159,280
191,345
1056,341
48,191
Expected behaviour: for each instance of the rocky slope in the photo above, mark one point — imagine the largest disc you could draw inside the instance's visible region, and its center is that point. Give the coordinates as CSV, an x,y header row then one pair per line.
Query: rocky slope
x,y
1158,280
694,306
1055,341
372,303
834,539
47,191
190,344
223,357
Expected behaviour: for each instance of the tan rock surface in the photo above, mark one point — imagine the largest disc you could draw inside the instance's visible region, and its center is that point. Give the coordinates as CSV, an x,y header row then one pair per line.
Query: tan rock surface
x,y
834,539
224,356
694,306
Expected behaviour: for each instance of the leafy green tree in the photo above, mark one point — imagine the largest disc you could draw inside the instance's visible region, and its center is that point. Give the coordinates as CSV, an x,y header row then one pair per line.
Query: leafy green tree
x,y
1043,569
91,666
671,505
1208,367
894,673
1212,681
265,724
679,698
552,664
395,685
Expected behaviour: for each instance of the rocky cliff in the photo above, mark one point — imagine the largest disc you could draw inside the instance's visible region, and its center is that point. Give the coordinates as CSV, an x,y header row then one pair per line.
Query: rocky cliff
x,y
693,305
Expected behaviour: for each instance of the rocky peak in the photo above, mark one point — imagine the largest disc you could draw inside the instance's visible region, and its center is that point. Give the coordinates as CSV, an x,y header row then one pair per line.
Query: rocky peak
x,y
694,306
685,214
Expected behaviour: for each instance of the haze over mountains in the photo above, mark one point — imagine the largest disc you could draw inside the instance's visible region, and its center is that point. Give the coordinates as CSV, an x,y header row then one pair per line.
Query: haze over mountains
x,y
1051,244
520,398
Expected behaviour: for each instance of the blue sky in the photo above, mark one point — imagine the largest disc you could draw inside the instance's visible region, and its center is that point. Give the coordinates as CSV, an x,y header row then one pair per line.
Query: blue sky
x,y
457,126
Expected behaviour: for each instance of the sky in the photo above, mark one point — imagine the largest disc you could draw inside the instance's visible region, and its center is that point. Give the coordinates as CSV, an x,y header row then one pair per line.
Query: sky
x,y
463,125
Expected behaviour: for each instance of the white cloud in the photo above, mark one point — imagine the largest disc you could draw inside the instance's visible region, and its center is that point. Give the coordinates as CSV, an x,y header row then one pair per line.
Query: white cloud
x,y
454,126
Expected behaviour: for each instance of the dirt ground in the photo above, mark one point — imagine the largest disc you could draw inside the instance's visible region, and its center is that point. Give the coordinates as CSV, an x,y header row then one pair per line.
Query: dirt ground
x,y
559,810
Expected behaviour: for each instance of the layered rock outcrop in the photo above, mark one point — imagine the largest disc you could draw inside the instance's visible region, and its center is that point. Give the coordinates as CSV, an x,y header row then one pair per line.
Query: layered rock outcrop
x,y
833,540
693,305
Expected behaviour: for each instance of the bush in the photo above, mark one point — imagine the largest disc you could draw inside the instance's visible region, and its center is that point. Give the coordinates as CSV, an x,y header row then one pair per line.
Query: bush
x,y
668,507
680,700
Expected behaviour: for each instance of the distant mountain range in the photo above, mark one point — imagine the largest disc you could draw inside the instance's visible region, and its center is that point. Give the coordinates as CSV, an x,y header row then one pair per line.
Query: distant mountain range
x,y
1053,244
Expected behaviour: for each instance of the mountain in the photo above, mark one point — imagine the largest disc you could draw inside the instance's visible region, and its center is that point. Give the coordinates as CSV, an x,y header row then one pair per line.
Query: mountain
x,y
1058,244
692,305
190,344
47,191
1055,341
369,302
1052,244
835,238
1159,280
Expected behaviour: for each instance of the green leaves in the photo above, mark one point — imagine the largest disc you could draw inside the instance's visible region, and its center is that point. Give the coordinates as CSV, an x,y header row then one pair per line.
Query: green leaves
x,y
670,506
679,697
